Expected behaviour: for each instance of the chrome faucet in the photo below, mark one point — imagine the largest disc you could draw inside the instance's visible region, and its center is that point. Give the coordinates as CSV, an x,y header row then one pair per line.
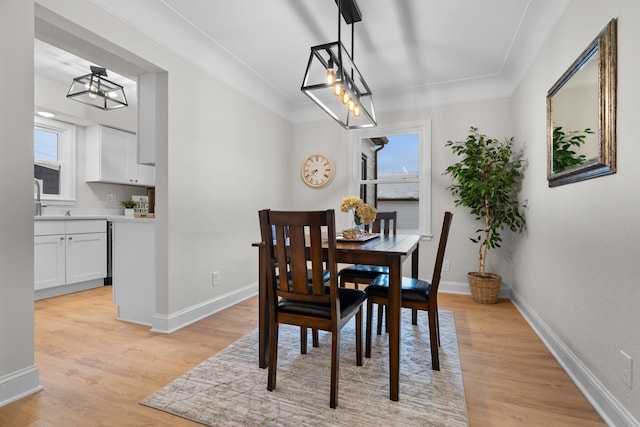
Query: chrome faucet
x,y
38,204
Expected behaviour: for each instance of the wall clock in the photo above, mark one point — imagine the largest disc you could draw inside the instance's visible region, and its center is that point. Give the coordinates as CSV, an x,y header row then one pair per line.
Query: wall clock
x,y
317,170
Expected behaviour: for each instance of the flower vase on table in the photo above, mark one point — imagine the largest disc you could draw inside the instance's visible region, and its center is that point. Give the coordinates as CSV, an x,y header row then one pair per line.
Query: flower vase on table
x,y
357,225
361,214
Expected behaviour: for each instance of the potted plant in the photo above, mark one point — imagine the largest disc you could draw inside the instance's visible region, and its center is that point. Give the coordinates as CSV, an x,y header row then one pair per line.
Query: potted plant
x,y
486,181
129,206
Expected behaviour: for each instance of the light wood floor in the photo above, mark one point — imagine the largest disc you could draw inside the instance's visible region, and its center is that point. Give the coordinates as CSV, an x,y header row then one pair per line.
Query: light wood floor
x,y
95,369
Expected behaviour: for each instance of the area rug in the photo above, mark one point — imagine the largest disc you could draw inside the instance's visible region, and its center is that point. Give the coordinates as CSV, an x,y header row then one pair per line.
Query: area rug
x,y
229,389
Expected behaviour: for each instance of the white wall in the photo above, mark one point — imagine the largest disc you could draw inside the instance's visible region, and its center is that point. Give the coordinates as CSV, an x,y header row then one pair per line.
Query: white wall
x,y
227,158
577,267
18,374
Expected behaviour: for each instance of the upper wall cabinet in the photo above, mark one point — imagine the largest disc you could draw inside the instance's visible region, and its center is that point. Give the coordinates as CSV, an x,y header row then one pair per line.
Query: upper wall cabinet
x,y
111,155
152,115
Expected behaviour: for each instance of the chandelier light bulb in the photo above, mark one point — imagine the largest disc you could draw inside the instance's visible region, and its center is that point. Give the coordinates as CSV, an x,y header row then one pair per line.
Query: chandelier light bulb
x,y
330,79
345,98
337,90
356,111
352,104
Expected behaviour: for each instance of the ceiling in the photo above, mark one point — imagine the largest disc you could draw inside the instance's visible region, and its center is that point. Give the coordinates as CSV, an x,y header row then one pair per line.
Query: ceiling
x,y
412,53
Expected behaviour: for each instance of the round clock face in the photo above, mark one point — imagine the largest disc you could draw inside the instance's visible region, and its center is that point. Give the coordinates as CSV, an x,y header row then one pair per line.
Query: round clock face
x,y
317,170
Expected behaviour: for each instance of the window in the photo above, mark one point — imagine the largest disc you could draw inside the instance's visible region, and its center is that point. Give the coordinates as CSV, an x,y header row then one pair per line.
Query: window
x,y
54,144
394,172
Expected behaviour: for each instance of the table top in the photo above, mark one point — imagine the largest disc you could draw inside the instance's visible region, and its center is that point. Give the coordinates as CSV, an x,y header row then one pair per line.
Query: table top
x,y
391,243
375,251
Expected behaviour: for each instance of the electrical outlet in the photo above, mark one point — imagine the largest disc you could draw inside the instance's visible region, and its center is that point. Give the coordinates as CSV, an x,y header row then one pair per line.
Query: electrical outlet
x,y
215,278
111,198
626,369
446,266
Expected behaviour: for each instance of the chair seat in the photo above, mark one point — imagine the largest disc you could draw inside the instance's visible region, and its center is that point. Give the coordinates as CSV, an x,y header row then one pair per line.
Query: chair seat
x,y
412,289
350,301
359,270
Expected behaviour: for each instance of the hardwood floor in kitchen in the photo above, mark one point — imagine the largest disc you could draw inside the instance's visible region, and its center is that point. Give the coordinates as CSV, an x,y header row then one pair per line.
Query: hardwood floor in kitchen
x,y
95,369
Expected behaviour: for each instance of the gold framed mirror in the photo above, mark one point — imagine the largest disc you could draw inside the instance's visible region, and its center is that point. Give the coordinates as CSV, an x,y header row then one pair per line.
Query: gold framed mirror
x,y
581,114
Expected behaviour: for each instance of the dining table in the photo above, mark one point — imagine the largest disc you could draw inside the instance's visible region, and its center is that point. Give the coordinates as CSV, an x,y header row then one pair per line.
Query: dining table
x,y
390,250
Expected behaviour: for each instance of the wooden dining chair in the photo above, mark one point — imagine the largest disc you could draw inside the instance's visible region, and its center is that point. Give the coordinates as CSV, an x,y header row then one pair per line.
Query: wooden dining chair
x,y
416,294
315,337
295,248
385,223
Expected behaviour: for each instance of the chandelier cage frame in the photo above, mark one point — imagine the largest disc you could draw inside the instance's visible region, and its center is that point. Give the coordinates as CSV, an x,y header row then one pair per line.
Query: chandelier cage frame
x,y
347,81
96,90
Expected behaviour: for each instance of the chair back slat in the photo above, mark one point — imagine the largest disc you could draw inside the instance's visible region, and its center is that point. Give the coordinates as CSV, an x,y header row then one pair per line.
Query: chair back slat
x,y
317,264
384,223
296,261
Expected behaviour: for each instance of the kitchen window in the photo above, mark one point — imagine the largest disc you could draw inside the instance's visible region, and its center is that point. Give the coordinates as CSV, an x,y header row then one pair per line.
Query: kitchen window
x,y
54,165
393,172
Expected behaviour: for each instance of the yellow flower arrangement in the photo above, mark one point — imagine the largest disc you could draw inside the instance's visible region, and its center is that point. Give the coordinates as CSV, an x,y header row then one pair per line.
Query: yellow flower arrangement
x,y
363,213
350,202
367,213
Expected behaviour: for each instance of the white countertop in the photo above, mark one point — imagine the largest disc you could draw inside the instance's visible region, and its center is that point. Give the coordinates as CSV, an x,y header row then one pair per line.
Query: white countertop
x,y
59,217
109,214
120,218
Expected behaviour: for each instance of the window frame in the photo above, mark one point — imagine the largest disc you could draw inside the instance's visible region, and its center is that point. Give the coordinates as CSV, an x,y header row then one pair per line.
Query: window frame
x,y
66,159
423,129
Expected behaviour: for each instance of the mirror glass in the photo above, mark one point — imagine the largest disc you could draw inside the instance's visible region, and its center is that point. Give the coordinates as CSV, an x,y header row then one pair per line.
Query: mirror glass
x,y
581,115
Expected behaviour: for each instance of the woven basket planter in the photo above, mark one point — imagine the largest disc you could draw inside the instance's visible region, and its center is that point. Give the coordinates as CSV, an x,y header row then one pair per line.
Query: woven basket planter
x,y
485,288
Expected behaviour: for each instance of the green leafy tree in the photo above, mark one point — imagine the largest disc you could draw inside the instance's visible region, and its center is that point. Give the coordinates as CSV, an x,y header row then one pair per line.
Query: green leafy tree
x,y
486,180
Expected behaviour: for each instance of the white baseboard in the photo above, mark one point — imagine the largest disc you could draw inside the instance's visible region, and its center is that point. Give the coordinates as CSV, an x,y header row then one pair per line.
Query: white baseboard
x,y
180,319
67,289
609,408
19,384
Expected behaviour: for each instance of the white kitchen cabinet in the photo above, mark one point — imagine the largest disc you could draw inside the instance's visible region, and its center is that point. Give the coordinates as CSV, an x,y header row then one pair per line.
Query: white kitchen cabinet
x,y
69,252
152,115
86,257
49,261
111,155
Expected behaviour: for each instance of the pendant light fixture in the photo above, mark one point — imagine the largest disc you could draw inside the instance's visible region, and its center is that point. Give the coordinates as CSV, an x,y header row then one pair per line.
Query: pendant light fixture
x,y
95,90
333,81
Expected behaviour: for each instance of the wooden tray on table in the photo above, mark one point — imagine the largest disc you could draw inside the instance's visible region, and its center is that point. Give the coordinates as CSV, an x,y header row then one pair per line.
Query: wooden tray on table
x,y
364,238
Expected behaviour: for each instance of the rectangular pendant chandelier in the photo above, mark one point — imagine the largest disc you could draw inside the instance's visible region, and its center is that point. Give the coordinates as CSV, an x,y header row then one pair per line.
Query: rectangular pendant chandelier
x,y
346,97
333,81
95,90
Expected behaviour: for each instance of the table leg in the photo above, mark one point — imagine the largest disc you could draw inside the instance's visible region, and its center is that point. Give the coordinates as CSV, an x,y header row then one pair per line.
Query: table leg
x,y
395,297
414,262
414,274
263,311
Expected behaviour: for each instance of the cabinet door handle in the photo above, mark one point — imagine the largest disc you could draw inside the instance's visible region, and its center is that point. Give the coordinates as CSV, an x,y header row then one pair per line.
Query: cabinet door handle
x,y
70,238
62,238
